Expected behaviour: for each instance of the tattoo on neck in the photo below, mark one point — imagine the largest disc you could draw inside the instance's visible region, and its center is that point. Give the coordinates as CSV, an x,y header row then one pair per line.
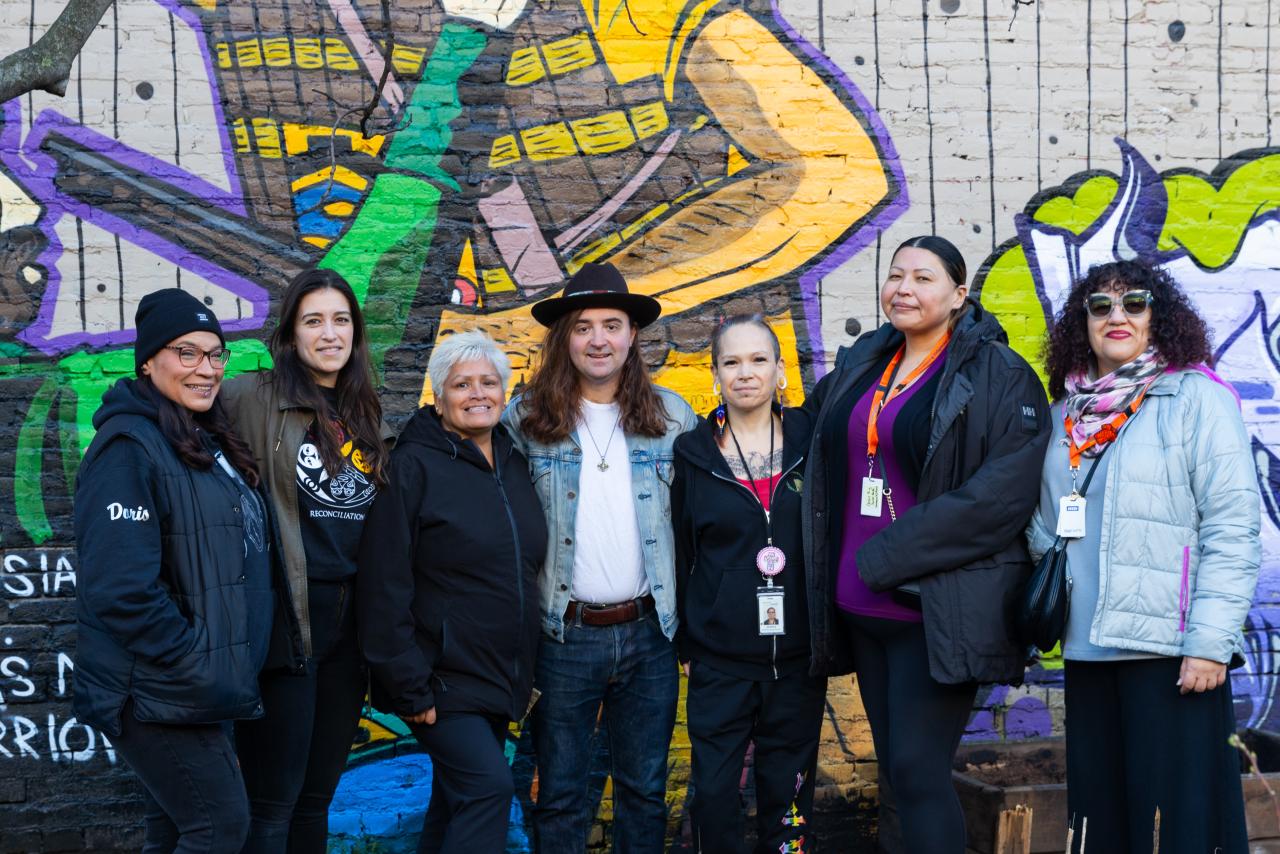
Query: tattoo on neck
x,y
759,462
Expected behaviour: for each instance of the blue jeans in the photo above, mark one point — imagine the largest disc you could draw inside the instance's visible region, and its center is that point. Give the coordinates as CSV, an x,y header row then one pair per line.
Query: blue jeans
x,y
630,669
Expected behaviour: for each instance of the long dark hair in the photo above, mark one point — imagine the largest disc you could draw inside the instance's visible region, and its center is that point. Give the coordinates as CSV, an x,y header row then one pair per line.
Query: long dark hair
x,y
1178,332
551,400
181,429
357,400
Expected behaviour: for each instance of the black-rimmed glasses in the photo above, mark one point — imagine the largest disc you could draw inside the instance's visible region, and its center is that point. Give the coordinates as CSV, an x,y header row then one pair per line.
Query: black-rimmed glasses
x,y
191,357
1134,303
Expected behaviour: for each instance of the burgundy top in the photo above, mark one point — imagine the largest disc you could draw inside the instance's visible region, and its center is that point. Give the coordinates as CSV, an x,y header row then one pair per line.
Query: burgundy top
x,y
852,594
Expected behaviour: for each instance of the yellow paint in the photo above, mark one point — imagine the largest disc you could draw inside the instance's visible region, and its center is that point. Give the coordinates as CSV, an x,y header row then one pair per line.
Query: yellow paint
x,y
277,52
224,55
649,216
699,123
525,67
569,54
297,138
649,119
308,53
736,161
503,152
207,5
548,142
321,242
407,60
603,134
824,177
339,209
497,280
266,135
241,134
467,264
338,56
339,174
677,50
593,251
248,53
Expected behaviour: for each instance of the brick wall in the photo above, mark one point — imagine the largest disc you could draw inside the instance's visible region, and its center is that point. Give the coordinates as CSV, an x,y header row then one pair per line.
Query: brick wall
x,y
736,156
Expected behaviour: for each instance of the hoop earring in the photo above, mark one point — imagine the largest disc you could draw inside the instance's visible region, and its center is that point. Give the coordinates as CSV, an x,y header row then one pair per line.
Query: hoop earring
x,y
782,383
715,388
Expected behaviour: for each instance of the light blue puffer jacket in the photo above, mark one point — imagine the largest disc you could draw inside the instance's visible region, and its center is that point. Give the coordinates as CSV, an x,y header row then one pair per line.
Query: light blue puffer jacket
x,y
1181,512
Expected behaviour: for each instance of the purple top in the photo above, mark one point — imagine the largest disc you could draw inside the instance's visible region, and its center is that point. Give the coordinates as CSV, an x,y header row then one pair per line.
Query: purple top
x,y
852,594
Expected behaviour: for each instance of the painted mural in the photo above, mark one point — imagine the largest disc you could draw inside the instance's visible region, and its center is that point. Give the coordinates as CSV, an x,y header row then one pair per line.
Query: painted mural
x,y
456,161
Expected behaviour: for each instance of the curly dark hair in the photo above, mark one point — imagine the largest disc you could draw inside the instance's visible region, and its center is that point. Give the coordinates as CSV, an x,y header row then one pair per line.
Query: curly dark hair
x,y
1177,330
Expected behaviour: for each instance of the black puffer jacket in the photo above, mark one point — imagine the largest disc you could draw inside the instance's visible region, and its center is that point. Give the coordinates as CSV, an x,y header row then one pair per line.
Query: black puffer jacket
x,y
447,584
979,483
719,528
166,614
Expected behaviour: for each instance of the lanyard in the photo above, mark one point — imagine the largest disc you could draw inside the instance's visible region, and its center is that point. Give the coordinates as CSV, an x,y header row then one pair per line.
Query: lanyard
x,y
886,391
1105,434
751,480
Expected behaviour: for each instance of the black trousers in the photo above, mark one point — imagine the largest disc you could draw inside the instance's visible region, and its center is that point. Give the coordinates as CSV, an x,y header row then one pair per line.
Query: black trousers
x,y
784,719
193,795
293,757
471,784
1134,744
916,724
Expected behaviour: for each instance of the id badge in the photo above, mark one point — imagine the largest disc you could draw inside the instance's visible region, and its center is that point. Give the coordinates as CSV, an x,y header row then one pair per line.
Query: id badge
x,y
770,614
1071,517
872,495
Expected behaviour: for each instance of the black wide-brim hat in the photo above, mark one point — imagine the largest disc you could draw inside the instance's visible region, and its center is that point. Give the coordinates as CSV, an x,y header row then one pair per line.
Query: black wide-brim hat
x,y
598,286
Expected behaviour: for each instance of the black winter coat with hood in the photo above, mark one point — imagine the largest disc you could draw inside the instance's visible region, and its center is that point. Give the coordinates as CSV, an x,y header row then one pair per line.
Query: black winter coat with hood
x,y
447,582
719,528
979,484
166,614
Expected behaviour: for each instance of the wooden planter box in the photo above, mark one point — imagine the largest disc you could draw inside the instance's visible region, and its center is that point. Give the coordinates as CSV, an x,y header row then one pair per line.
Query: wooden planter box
x,y
991,778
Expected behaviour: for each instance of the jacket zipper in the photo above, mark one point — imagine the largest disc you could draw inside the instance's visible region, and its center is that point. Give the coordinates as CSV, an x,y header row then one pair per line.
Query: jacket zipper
x,y
1184,593
773,656
515,535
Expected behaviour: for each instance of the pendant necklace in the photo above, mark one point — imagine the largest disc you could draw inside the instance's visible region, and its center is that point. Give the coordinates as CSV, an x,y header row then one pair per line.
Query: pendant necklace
x,y
770,560
602,465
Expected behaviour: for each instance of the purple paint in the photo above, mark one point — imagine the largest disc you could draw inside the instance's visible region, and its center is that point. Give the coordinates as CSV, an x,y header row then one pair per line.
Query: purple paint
x,y
862,237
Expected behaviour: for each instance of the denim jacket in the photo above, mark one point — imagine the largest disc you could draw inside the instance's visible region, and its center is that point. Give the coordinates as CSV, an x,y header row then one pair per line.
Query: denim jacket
x,y
555,470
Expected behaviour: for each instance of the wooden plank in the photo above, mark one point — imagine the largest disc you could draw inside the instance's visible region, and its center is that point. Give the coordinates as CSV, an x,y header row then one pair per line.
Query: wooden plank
x,y
1013,833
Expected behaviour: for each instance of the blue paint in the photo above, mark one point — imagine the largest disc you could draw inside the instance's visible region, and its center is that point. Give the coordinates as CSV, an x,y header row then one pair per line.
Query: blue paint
x,y
1254,391
379,806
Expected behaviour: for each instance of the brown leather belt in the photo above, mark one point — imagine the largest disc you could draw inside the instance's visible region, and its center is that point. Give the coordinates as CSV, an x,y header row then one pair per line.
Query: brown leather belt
x,y
608,615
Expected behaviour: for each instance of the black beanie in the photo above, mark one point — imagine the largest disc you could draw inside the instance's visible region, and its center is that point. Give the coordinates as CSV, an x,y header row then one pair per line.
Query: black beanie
x,y
165,315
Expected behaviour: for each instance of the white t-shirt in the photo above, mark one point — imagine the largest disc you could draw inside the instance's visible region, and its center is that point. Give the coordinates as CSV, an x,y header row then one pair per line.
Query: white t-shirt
x,y
608,566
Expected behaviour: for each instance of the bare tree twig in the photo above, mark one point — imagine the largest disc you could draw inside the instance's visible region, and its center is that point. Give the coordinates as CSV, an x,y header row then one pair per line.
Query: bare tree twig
x,y
46,65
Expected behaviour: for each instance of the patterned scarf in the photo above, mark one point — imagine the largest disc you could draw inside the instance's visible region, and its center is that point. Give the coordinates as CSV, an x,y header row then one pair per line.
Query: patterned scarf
x,y
1091,404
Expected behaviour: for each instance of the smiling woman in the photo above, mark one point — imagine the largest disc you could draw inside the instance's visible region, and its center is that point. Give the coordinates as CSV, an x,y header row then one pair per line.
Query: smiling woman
x,y
447,591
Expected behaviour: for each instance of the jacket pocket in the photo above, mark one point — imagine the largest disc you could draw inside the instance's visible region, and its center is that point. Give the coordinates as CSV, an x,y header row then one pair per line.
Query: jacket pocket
x,y
1184,589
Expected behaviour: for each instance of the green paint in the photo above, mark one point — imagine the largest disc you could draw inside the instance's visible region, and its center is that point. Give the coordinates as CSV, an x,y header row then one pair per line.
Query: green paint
x,y
383,252
28,501
1077,212
1009,292
1209,222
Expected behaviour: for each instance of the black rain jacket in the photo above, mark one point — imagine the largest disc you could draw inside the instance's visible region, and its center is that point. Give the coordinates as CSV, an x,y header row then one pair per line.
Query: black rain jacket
x,y
165,614
979,484
446,589
719,528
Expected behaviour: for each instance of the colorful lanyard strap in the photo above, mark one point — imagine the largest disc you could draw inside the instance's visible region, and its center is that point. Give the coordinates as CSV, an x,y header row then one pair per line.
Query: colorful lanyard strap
x,y
885,391
1105,434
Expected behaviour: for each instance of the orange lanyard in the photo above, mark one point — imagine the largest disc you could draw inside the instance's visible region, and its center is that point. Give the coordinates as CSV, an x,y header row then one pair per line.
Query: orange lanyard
x,y
884,393
1106,433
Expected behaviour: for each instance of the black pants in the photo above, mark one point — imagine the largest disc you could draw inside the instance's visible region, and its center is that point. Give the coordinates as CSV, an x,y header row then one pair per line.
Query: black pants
x,y
1134,744
471,784
916,724
193,794
784,719
293,757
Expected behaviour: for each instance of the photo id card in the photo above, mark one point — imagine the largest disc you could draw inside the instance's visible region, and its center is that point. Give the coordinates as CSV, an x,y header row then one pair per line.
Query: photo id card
x,y
1071,517
770,614
872,495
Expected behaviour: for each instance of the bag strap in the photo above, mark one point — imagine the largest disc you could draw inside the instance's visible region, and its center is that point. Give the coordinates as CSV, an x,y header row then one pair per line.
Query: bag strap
x,y
1084,487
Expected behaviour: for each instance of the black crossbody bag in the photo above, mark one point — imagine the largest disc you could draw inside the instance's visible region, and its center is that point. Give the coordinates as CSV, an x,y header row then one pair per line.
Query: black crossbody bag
x,y
1041,609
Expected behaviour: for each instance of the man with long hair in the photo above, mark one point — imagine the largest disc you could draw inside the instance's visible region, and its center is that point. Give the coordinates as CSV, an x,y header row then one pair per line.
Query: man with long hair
x,y
598,435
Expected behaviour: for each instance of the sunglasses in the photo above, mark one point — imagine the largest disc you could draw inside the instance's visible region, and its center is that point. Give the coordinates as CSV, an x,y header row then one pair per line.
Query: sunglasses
x,y
1133,302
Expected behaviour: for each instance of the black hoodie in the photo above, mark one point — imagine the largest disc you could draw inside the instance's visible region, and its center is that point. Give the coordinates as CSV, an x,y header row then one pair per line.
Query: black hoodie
x,y
447,580
719,528
168,614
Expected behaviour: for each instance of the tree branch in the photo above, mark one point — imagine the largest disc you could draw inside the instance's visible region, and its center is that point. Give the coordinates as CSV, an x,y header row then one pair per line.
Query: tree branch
x,y
46,65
